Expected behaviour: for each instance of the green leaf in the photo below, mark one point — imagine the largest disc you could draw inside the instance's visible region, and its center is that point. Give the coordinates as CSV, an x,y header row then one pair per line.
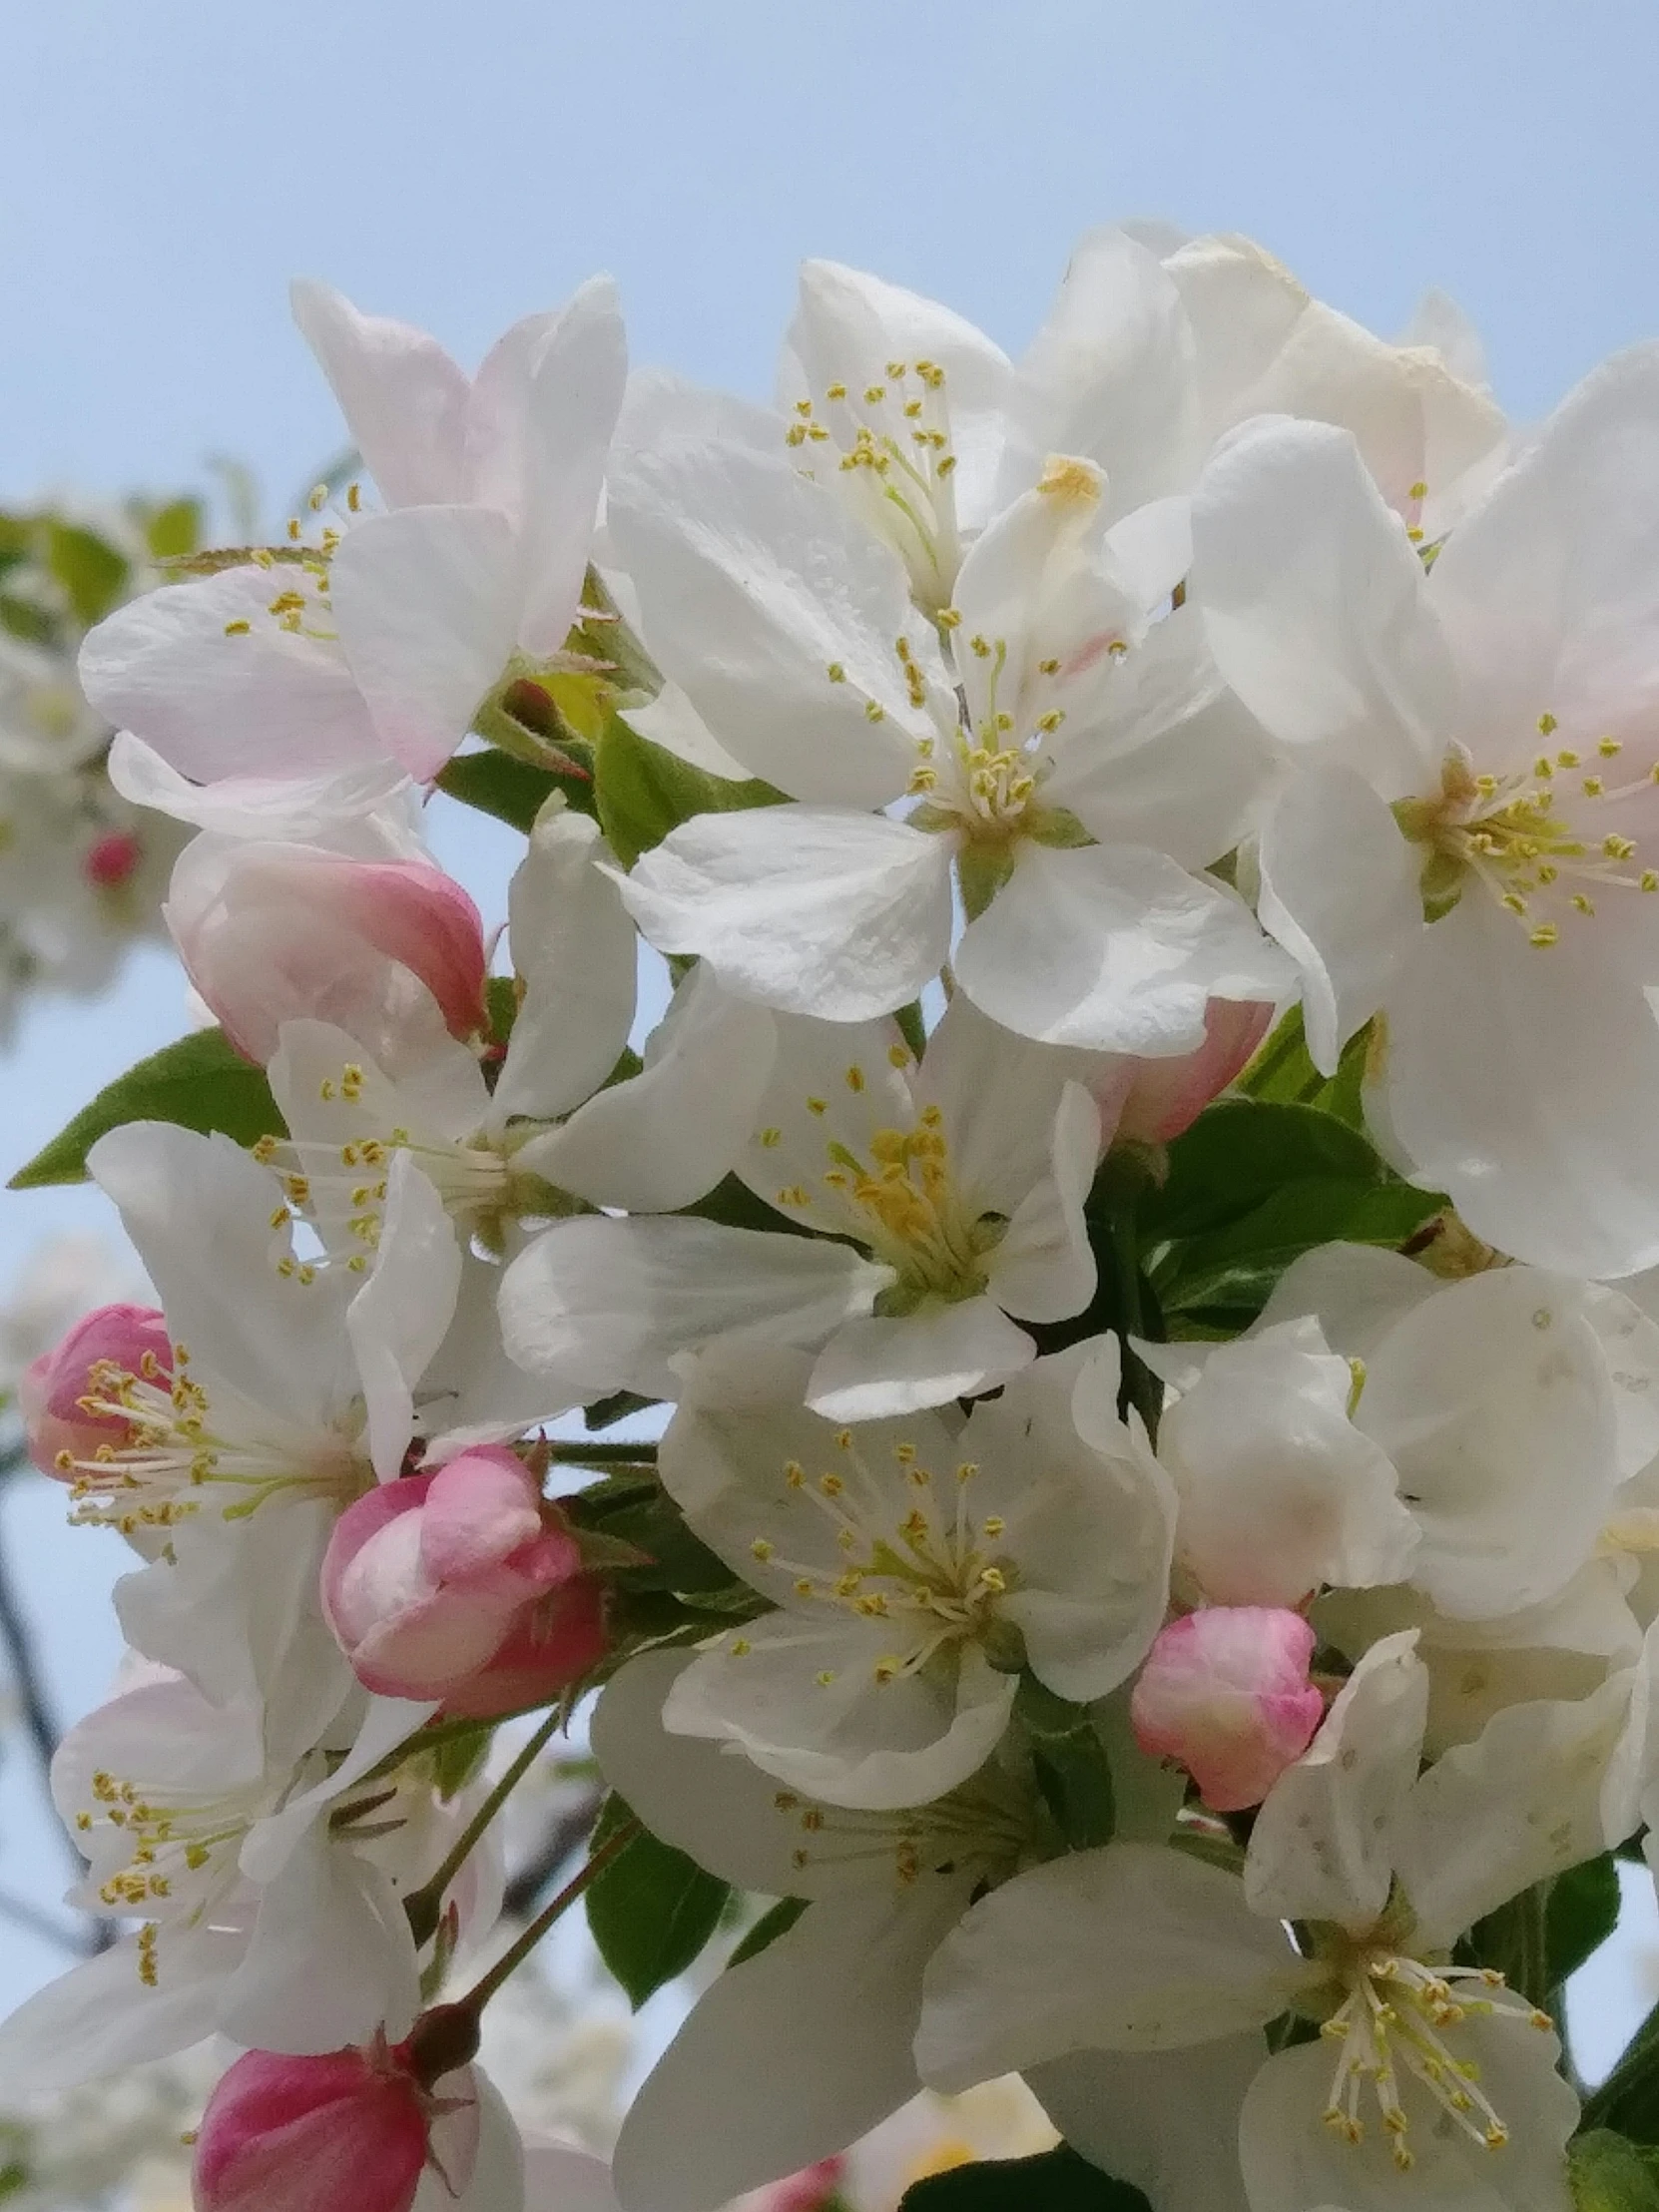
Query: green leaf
x,y
1282,1073
174,530
201,1082
636,1508
1054,2181
89,568
1628,2100
651,1909
514,792
1609,2174
1250,1187
21,618
1583,1912
644,792
766,1930
1071,1764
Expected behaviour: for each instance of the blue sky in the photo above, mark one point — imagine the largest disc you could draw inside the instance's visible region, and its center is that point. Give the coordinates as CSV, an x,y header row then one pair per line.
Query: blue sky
x,y
165,168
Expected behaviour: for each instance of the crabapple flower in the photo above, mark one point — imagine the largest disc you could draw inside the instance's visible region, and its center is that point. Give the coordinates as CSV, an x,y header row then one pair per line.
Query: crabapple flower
x,y
916,1566
384,637
1432,2074
1226,1693
963,1179
427,1579
393,951
1465,845
125,1341
827,2014
311,2134
1071,760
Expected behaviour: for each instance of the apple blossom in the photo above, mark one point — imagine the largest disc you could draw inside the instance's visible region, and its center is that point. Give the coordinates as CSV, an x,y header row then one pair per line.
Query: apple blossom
x,y
1226,1691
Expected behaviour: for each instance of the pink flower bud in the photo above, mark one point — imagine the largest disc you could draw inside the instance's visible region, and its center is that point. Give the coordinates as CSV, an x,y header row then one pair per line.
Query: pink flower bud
x,y
810,2190
342,2132
86,1391
427,1579
1226,1693
111,859
1157,1099
281,932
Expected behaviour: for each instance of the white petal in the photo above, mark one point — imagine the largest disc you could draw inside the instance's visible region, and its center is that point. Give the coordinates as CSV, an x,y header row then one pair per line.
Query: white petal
x,y
1135,1948
754,583
1355,1292
998,1095
694,1794
1340,893
575,393
1111,372
331,1957
199,1210
1293,2162
610,1305
214,704
877,1367
403,398
557,2179
1044,1267
99,2017
1166,2122
663,1138
425,601
786,2058
671,721
362,810
1547,593
1541,1787
1517,1080
1492,1399
814,910
1113,947
1322,1846
504,2171
1281,1493
1314,600
574,946
399,1318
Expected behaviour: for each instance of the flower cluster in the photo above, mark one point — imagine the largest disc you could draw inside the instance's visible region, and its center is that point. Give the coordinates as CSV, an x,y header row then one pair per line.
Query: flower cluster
x,y
1128,873
82,866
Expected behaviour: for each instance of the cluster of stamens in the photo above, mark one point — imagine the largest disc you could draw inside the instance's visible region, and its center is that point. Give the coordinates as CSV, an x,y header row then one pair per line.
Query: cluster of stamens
x,y
294,609
1393,2022
166,1842
892,443
1524,838
933,1571
971,1827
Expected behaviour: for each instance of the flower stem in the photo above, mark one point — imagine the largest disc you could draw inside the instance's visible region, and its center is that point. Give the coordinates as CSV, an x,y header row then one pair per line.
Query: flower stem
x,y
426,1903
570,1454
516,1954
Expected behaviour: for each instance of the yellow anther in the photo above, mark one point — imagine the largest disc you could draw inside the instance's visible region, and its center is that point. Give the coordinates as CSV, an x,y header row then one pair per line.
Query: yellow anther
x,y
237,629
1547,725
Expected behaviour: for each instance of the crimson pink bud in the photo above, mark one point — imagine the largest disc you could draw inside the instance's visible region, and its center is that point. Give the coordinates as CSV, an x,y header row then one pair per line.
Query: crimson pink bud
x,y
1157,1099
84,1392
111,859
811,2190
284,932
427,1579
1226,1693
345,2132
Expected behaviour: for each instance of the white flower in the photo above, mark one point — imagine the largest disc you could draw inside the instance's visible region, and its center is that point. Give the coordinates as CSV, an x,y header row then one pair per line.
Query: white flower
x,y
790,2057
917,1565
1071,758
964,1180
1473,744
384,637
1437,2072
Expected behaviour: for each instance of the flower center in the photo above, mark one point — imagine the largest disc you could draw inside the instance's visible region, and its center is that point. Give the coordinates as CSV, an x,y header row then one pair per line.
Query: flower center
x,y
985,1828
194,1842
904,1205
173,1450
1400,2020
895,461
1541,841
933,1572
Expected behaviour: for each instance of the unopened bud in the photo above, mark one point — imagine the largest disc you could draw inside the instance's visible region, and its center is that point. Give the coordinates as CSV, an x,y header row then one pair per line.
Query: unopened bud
x,y
1226,1693
84,1392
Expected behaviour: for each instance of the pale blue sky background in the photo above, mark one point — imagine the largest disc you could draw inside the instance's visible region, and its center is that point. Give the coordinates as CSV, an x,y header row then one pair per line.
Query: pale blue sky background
x,y
167,164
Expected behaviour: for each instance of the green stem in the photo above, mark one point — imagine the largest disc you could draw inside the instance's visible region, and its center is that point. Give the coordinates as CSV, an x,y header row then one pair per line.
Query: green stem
x,y
426,1903
514,1957
578,1455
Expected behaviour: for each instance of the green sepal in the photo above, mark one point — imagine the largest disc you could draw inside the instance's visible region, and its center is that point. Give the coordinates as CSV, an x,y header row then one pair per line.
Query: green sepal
x,y
514,790
644,792
199,1082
